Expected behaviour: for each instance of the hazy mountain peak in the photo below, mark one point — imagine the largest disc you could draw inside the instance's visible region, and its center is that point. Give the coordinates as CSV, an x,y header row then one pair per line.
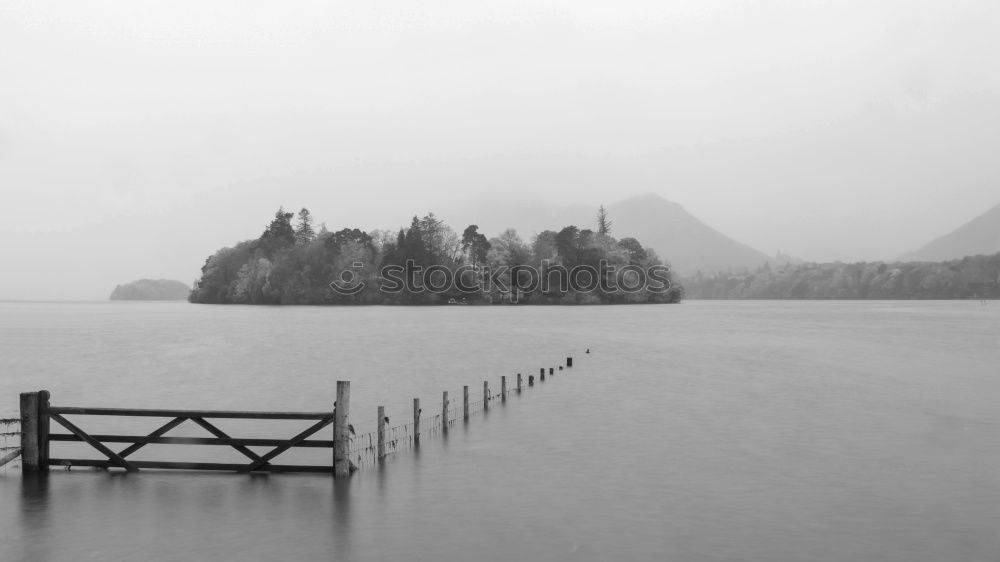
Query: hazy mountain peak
x,y
653,202
678,236
979,236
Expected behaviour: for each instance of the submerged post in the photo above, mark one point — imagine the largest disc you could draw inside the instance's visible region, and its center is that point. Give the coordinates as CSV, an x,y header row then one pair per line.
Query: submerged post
x,y
486,395
444,412
503,388
381,433
465,402
43,429
552,370
569,360
341,431
34,432
416,422
541,373
519,383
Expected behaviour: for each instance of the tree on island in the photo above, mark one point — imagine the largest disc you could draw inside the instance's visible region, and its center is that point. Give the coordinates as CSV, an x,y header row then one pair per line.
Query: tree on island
x,y
475,245
304,232
279,234
603,223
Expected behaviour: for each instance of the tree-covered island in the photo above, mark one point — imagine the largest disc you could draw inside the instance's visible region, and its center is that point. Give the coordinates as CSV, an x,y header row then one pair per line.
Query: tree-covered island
x,y
292,262
151,290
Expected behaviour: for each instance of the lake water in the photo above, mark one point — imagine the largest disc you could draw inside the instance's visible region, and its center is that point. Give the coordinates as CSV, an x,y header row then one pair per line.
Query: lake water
x,y
765,431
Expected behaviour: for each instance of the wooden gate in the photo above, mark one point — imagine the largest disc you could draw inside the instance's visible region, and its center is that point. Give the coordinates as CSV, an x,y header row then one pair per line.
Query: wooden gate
x,y
37,416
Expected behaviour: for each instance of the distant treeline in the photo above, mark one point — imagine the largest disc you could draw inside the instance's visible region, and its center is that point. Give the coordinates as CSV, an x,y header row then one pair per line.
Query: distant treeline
x,y
967,278
295,264
151,290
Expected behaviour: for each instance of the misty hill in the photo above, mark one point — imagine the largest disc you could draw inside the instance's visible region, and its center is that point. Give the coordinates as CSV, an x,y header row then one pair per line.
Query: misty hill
x,y
151,290
980,236
686,242
677,236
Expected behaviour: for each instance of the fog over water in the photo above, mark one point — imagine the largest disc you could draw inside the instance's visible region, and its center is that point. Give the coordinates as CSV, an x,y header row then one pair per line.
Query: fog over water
x,y
137,138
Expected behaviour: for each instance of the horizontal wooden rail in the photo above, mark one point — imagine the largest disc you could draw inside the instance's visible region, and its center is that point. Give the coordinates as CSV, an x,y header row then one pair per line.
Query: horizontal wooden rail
x,y
155,413
231,467
316,443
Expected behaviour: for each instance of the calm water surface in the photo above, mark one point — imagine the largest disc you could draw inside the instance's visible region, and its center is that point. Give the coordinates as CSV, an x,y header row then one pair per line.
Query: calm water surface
x,y
762,431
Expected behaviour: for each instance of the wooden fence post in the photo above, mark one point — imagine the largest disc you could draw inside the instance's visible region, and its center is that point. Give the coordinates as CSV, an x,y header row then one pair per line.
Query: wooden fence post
x,y
341,431
416,422
444,412
569,361
503,388
381,433
43,430
31,443
465,402
519,383
486,395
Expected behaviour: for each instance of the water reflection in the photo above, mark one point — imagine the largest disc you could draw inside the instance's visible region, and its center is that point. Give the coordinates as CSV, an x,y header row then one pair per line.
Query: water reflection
x,y
35,521
342,519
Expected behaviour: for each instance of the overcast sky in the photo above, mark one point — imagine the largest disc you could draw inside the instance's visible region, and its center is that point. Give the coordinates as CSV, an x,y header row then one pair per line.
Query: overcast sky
x,y
118,114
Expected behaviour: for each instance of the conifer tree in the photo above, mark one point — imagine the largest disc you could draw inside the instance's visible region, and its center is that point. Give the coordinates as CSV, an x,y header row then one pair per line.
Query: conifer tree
x,y
304,232
603,223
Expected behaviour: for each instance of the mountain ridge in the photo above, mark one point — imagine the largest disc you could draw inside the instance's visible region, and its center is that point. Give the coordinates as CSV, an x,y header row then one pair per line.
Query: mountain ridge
x,y
979,236
681,238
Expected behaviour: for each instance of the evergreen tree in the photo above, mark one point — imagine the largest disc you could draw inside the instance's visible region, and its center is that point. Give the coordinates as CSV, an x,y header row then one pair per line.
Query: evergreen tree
x,y
603,223
304,232
413,243
279,234
476,245
431,230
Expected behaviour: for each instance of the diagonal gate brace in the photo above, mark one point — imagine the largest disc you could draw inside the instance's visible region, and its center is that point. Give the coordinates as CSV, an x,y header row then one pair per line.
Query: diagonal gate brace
x,y
222,435
113,456
288,445
158,433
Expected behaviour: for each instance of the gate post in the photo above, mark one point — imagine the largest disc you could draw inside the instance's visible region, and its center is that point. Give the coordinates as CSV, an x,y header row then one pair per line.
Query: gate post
x,y
341,432
35,432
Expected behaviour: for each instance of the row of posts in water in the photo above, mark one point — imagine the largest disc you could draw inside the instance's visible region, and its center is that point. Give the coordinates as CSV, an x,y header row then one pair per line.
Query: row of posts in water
x,y
342,465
